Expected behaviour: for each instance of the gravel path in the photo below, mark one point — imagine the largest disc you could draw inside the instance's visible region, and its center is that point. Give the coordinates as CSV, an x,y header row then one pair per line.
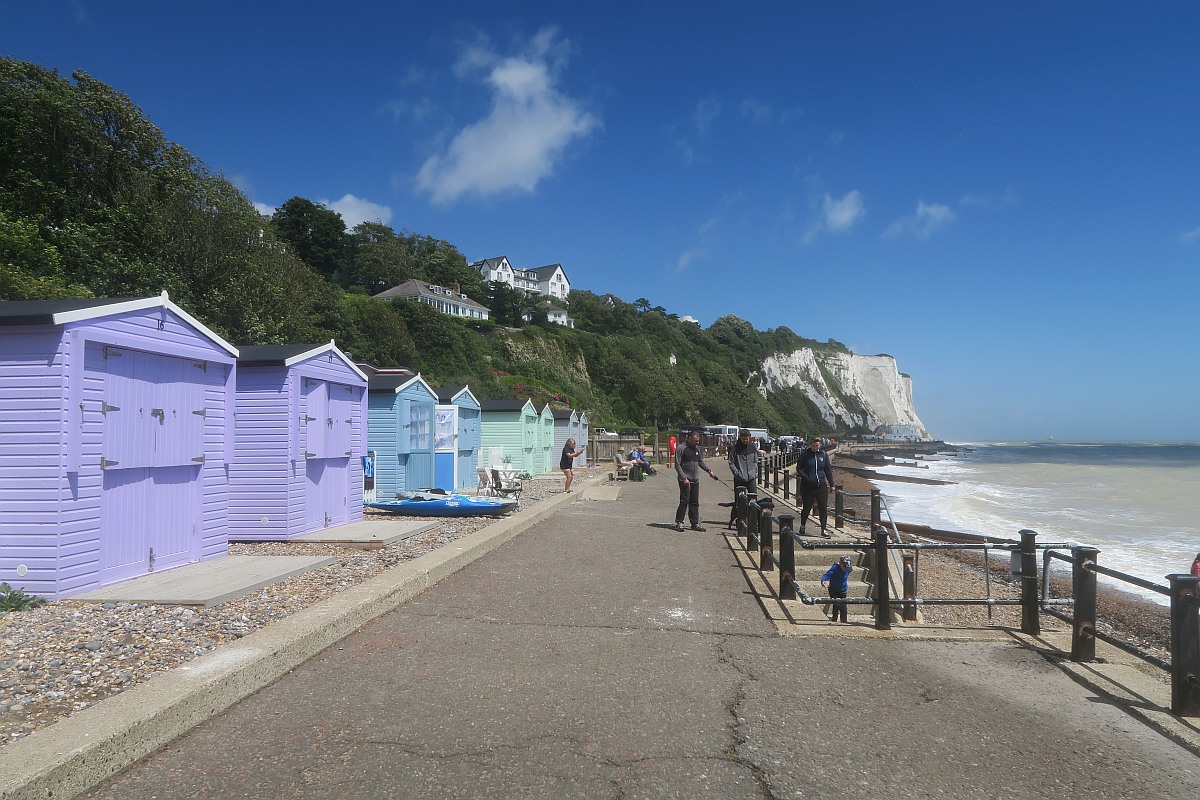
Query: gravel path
x,y
66,655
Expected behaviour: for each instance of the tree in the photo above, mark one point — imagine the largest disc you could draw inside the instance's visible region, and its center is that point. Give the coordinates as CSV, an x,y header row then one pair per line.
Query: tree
x,y
379,259
317,233
505,303
30,267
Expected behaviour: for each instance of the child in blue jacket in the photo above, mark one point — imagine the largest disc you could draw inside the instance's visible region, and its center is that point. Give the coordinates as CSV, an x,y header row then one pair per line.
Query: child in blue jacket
x,y
837,578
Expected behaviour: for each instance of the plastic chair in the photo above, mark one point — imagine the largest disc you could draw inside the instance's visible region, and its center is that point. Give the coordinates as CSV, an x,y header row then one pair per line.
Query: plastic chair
x,y
505,488
485,482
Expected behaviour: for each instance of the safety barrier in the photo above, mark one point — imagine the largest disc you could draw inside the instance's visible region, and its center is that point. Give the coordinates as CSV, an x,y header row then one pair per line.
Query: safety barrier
x,y
757,520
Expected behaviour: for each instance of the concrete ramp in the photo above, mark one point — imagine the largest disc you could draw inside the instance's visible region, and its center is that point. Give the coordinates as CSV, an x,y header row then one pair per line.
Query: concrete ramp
x,y
208,583
602,492
370,534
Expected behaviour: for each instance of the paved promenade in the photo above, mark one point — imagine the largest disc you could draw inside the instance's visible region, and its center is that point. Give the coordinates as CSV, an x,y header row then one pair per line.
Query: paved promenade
x,y
601,654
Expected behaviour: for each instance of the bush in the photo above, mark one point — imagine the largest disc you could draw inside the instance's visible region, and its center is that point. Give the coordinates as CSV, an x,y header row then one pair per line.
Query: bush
x,y
17,600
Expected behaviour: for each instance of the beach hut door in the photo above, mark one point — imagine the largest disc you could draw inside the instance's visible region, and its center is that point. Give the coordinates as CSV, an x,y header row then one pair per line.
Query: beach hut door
x,y
152,457
445,449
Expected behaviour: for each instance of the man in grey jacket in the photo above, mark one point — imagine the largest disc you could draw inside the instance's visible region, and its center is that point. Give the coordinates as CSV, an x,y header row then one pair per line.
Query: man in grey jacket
x,y
688,463
743,463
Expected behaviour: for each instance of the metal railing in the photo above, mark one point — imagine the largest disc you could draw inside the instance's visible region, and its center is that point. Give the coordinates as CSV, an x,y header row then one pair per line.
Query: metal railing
x,y
756,520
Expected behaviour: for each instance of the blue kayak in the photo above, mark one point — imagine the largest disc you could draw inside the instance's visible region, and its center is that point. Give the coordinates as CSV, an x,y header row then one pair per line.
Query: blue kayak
x,y
433,504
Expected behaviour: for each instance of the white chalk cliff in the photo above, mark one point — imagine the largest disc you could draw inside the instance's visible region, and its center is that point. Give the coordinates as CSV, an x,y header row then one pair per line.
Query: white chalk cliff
x,y
873,383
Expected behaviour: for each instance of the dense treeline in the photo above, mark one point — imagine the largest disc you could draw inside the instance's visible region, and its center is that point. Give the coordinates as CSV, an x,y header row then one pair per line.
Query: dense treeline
x,y
96,202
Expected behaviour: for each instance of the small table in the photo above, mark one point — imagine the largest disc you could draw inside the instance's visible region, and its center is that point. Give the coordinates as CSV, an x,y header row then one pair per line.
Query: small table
x,y
506,473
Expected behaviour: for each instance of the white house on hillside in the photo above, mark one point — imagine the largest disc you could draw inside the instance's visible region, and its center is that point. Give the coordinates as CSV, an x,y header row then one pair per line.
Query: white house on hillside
x,y
555,314
448,301
549,280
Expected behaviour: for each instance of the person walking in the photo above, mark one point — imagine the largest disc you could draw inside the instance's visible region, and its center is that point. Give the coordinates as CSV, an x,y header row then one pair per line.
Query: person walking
x,y
688,463
837,578
816,476
567,462
743,463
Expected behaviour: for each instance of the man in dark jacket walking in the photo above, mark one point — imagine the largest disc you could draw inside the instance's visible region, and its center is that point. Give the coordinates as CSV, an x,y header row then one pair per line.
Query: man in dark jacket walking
x,y
816,476
688,463
743,463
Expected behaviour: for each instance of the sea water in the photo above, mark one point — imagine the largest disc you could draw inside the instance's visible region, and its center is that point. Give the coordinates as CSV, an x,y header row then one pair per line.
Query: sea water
x,y
1138,502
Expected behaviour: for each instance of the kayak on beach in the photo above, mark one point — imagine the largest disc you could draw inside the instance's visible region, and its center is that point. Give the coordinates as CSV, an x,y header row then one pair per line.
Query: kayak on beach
x,y
433,504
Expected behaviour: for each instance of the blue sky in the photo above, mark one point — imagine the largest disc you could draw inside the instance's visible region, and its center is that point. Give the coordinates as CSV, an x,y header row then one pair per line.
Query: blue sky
x,y
1004,196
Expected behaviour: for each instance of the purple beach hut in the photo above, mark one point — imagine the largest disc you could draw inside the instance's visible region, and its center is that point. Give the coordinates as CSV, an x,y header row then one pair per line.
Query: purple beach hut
x,y
115,433
300,434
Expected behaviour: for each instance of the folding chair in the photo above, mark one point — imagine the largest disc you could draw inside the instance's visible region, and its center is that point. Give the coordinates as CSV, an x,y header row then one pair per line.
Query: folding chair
x,y
505,488
485,482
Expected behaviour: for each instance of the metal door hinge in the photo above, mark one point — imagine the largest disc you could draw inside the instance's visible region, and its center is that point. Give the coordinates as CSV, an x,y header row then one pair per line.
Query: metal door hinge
x,y
105,463
105,407
199,459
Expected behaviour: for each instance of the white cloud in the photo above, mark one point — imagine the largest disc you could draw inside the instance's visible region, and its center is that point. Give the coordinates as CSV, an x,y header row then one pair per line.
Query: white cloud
x,y
841,214
1191,237
686,259
757,112
265,209
706,111
530,125
355,210
990,199
929,218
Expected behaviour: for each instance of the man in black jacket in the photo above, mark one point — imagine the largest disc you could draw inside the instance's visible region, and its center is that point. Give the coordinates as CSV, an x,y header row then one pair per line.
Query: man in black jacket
x,y
743,463
816,476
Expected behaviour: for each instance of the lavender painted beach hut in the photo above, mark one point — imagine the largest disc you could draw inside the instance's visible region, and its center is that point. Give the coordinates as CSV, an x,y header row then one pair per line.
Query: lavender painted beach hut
x,y
400,410
456,438
300,434
115,433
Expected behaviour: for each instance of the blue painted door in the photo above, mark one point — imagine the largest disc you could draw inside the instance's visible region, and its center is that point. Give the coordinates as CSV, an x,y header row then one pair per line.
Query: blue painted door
x,y
468,445
419,469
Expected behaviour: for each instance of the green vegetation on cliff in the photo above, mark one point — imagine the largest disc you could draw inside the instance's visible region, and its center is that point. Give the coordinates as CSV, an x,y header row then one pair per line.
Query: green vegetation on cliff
x,y
94,201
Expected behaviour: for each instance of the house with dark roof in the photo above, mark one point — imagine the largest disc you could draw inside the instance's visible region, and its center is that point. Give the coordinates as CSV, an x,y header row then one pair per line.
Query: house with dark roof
x,y
555,314
448,300
549,280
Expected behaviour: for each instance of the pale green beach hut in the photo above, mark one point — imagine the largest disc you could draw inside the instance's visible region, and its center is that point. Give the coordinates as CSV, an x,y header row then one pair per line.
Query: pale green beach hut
x,y
544,454
509,429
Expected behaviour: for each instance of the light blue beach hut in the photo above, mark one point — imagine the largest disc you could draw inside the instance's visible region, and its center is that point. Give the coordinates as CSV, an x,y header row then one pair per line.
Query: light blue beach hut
x,y
115,433
456,438
299,437
510,426
400,414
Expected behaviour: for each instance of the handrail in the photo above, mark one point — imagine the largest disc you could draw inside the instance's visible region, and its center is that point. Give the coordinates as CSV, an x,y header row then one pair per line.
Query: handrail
x,y
1184,590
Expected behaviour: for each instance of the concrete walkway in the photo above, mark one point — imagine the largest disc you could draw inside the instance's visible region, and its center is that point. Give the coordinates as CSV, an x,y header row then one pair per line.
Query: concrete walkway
x,y
602,654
